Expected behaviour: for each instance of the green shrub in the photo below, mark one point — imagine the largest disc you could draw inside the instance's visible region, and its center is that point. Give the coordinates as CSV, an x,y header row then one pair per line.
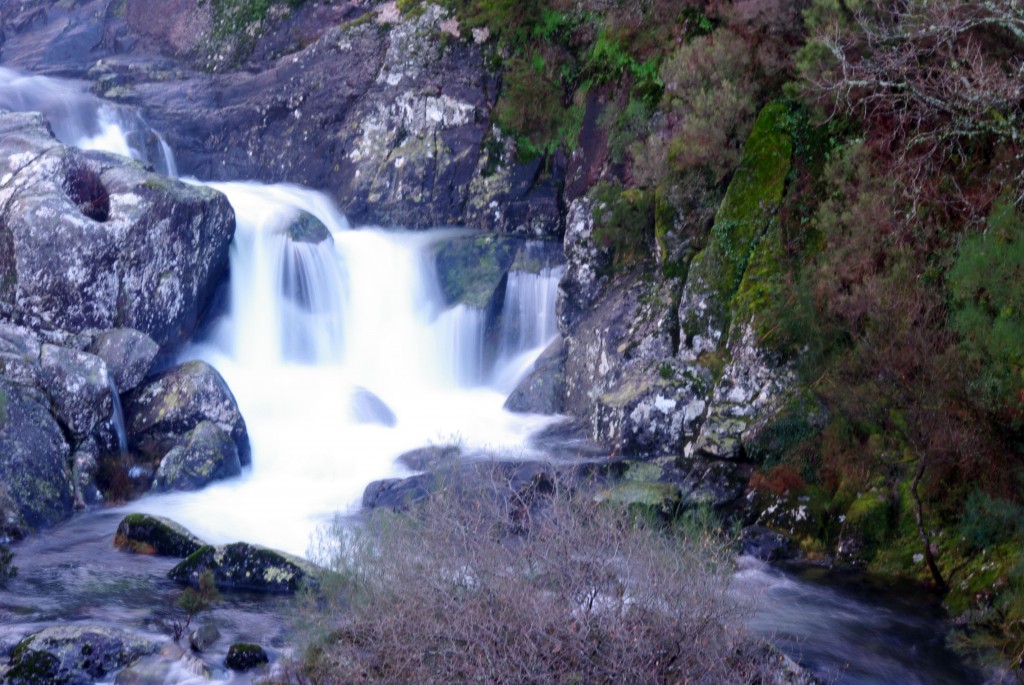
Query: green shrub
x,y
988,522
988,311
467,589
623,221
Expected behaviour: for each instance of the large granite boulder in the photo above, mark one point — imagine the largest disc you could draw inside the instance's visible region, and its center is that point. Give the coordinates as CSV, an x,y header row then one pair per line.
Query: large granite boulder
x,y
74,655
205,454
147,534
245,567
161,413
34,458
128,354
95,241
79,387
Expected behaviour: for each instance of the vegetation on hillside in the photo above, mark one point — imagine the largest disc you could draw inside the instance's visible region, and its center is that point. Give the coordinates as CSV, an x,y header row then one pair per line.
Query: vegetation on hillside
x,y
893,270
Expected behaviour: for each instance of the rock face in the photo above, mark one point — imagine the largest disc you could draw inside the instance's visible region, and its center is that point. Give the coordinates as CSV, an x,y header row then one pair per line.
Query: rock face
x,y
241,566
146,534
205,454
390,113
33,458
74,655
162,413
543,390
95,241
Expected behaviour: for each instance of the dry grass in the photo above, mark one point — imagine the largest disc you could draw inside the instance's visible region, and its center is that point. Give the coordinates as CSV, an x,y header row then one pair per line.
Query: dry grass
x,y
478,589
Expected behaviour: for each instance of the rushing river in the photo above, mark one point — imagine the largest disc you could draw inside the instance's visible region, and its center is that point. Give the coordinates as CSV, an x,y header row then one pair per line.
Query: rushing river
x,y
316,335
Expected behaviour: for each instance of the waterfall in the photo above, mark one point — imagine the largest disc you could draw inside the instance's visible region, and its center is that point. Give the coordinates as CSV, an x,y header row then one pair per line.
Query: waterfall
x,y
338,344
84,120
117,414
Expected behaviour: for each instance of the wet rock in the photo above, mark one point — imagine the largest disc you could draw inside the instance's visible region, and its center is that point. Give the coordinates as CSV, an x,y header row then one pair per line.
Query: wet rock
x,y
147,534
430,458
245,657
752,384
161,413
128,354
659,499
306,228
398,494
85,464
203,637
94,240
586,264
33,457
74,655
241,566
368,408
205,454
543,389
767,545
473,270
79,387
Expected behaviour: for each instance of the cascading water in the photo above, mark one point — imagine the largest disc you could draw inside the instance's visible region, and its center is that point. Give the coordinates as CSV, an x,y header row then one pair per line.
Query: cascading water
x,y
84,120
315,329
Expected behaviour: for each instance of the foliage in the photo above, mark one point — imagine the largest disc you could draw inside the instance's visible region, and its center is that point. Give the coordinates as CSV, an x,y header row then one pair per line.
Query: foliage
x,y
194,601
623,221
987,288
468,589
988,522
7,568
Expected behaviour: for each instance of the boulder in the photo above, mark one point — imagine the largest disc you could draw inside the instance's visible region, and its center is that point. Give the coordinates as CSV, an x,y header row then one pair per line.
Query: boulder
x,y
19,355
74,655
147,534
92,240
34,458
128,354
79,388
306,228
85,465
205,454
245,657
543,389
161,412
241,566
767,545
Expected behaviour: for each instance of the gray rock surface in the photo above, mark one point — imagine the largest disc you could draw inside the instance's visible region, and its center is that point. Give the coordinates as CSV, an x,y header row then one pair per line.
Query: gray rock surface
x,y
147,534
92,240
74,655
128,354
204,454
246,567
162,412
79,387
33,458
543,389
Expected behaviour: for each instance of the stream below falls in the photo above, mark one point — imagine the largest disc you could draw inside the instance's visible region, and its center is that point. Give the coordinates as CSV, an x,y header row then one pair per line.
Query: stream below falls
x,y
310,331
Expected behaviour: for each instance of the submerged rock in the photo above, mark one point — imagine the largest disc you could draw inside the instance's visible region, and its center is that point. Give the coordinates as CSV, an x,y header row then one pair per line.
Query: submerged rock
x,y
543,390
93,240
245,657
205,454
368,408
147,534
241,566
161,414
74,655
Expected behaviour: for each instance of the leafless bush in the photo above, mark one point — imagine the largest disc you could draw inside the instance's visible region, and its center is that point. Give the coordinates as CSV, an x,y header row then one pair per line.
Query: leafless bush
x,y
465,589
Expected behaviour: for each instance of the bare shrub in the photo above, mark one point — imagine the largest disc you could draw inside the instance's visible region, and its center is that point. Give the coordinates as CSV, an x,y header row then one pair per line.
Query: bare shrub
x,y
468,590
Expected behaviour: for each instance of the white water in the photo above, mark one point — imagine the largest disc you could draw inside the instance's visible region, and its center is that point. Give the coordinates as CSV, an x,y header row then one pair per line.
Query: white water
x,y
368,315
84,120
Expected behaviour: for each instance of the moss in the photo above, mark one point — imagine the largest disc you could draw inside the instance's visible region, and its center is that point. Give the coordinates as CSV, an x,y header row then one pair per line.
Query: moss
x,y
870,517
470,270
657,499
749,204
145,534
32,667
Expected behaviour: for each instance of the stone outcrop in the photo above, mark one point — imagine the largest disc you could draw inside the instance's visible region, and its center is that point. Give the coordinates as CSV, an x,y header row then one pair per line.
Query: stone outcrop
x,y
74,655
95,241
162,413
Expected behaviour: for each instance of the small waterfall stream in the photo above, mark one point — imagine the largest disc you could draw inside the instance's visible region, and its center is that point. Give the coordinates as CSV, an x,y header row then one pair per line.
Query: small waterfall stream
x,y
318,330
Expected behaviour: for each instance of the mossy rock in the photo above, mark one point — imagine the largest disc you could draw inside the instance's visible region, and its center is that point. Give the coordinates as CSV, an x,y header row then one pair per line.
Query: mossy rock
x,y
471,270
70,655
241,566
742,219
661,500
146,534
306,228
205,454
245,657
869,518
799,418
